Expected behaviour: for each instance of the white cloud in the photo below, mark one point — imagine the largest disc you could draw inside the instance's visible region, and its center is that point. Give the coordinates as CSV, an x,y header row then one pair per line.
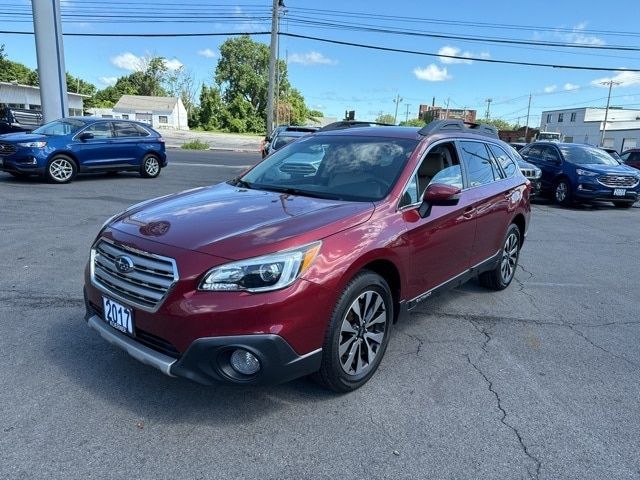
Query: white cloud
x,y
569,87
432,73
449,51
128,61
550,89
311,58
577,35
207,53
624,79
173,64
135,63
110,81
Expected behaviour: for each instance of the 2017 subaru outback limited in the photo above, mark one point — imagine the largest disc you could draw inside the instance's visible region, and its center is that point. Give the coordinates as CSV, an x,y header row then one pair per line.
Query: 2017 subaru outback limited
x,y
284,272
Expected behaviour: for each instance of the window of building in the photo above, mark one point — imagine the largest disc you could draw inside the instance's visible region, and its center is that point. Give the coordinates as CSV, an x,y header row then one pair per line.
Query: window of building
x,y
35,107
125,116
106,116
568,139
480,167
549,117
15,105
560,117
163,119
573,117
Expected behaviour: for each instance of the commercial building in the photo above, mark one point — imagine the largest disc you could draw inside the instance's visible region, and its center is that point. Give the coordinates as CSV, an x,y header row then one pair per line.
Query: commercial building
x,y
15,95
585,125
159,112
433,112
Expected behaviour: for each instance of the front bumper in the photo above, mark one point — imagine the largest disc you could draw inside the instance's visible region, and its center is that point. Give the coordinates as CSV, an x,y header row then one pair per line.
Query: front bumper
x,y
593,192
25,160
206,361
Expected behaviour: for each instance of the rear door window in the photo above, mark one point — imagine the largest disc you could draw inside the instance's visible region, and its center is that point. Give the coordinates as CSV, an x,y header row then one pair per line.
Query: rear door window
x,y
480,167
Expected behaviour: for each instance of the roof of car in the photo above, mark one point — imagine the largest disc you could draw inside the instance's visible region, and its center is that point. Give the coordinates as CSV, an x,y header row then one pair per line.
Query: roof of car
x,y
379,131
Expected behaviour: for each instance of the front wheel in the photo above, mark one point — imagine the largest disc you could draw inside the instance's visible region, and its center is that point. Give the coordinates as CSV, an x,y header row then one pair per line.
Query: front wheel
x,y
500,277
358,333
562,193
61,169
150,167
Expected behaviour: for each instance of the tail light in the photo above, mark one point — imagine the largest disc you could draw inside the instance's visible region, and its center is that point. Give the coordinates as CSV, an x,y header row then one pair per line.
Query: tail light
x,y
161,140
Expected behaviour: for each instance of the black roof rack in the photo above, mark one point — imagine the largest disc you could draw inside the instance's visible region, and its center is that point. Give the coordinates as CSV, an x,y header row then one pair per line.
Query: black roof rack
x,y
352,124
438,126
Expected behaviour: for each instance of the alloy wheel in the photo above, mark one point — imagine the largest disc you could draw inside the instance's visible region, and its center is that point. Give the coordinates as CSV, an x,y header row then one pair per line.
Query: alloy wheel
x,y
561,192
61,169
151,166
509,258
363,329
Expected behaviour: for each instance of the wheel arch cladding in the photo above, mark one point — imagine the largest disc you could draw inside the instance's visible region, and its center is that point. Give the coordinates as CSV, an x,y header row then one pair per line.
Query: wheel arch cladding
x,y
520,222
387,270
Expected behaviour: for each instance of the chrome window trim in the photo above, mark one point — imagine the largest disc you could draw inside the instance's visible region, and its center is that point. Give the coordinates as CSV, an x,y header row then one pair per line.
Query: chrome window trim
x,y
115,295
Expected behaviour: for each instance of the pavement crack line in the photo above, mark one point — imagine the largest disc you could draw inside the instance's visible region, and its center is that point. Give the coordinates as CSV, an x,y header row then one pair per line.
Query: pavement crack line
x,y
482,331
503,419
575,330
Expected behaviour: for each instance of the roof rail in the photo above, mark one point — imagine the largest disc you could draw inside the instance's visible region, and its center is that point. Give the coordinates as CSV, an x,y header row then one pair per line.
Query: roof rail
x,y
438,126
342,124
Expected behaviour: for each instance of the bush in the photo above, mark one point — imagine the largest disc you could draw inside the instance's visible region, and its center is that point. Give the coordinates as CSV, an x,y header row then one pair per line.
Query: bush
x,y
195,145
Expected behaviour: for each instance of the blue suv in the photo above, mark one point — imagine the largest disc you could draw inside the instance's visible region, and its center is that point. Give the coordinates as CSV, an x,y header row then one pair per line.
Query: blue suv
x,y
574,172
61,149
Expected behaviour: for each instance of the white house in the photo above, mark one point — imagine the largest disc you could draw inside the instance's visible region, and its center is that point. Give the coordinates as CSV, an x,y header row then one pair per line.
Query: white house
x,y
584,125
159,112
15,95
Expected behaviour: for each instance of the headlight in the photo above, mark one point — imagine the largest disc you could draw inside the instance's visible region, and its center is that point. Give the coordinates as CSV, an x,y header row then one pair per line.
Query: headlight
x,y
261,274
537,173
586,173
33,144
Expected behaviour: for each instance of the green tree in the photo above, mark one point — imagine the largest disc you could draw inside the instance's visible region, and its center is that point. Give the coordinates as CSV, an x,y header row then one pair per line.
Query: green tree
x,y
414,122
211,110
498,123
385,118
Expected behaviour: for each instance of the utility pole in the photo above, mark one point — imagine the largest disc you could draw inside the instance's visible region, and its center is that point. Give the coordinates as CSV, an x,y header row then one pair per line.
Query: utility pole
x,y
526,128
397,101
275,16
611,83
446,115
488,113
406,117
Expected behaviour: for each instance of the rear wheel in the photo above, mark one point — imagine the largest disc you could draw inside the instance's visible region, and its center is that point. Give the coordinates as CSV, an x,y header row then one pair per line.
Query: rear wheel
x,y
562,193
150,167
60,169
623,204
358,333
500,277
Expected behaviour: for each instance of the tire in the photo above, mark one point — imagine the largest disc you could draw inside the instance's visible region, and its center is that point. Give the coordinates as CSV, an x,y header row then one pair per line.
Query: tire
x,y
562,192
61,169
501,277
20,174
150,167
348,332
623,204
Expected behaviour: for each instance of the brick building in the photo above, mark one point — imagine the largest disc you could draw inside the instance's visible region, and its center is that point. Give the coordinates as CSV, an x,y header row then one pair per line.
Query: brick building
x,y
432,112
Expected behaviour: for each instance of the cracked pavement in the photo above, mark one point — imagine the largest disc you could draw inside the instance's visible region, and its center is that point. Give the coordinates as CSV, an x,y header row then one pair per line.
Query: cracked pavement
x,y
540,381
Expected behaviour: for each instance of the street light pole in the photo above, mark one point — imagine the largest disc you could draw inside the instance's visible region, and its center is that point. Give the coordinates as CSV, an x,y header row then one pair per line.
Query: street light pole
x,y
272,64
397,101
526,128
406,117
611,83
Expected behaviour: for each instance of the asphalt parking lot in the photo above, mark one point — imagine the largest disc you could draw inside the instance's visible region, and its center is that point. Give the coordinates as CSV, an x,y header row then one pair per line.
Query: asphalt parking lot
x,y
539,381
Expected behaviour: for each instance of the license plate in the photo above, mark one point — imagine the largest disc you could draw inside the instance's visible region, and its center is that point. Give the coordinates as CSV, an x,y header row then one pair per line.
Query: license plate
x,y
118,316
619,192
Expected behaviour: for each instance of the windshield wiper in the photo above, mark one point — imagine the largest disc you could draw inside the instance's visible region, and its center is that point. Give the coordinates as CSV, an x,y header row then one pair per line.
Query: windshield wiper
x,y
296,191
237,182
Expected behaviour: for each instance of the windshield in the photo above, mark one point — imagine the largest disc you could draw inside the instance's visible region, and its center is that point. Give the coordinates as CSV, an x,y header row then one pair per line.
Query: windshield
x,y
338,167
582,155
60,127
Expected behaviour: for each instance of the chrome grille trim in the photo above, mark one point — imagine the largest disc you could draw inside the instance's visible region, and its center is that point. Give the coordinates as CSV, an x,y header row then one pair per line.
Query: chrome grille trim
x,y
7,148
145,287
618,181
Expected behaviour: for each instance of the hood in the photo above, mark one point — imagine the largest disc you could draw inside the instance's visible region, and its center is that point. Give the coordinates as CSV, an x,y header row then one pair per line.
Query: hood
x,y
236,223
610,169
22,137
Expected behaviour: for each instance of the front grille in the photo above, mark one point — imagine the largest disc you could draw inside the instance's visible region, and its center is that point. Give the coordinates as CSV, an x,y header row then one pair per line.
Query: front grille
x,y
147,339
529,173
145,286
618,181
7,148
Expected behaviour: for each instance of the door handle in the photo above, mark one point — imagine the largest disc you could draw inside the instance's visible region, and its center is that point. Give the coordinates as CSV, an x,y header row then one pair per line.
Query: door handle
x,y
469,212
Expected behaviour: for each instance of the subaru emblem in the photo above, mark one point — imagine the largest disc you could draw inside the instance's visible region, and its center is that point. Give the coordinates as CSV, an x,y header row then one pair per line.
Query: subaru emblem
x,y
124,264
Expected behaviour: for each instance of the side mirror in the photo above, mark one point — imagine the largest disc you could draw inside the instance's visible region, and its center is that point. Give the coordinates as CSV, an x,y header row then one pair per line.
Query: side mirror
x,y
439,194
85,136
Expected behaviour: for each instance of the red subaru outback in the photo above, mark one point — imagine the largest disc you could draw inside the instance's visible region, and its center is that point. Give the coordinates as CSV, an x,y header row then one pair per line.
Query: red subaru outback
x,y
303,264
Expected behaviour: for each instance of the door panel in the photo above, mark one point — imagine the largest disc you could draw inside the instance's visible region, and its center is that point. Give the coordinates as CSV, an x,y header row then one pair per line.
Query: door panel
x,y
94,153
127,144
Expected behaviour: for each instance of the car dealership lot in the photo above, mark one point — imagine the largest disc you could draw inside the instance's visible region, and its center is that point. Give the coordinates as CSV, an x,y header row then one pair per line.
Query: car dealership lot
x,y
538,381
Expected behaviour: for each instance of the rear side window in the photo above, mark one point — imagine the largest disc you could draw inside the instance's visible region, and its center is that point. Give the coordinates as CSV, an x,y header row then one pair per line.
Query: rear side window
x,y
480,167
508,165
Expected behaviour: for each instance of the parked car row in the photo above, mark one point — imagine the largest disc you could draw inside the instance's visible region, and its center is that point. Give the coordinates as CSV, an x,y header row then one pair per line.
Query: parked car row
x,y
59,150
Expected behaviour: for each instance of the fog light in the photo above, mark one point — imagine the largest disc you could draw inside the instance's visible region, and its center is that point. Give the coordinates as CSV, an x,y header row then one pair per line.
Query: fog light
x,y
244,362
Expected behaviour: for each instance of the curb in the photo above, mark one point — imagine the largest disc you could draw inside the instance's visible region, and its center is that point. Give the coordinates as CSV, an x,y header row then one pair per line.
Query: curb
x,y
220,149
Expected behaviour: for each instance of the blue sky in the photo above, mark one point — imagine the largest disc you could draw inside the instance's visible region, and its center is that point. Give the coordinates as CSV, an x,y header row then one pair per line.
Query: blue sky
x,y
335,78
